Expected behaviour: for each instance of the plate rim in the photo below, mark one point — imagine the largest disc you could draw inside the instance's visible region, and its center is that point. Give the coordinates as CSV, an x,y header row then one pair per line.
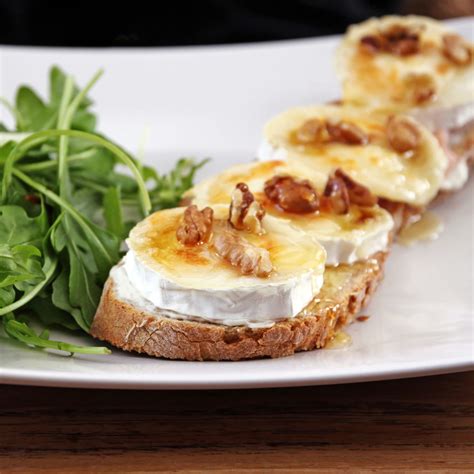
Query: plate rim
x,y
73,380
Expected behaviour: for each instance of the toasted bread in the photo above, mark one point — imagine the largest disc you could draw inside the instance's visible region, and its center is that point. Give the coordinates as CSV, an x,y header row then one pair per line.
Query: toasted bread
x,y
347,289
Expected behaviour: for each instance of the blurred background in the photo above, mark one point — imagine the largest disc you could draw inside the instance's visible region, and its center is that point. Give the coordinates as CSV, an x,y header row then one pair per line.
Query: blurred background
x,y
179,22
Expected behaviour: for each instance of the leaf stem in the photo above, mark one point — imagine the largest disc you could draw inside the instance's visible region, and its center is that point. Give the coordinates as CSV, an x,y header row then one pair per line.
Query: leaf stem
x,y
26,335
63,140
45,165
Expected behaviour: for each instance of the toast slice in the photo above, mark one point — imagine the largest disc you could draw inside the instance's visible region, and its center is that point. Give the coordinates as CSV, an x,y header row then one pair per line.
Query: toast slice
x,y
346,289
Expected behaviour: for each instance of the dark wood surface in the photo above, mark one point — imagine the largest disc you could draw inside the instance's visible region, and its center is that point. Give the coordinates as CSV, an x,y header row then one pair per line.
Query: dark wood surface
x,y
423,424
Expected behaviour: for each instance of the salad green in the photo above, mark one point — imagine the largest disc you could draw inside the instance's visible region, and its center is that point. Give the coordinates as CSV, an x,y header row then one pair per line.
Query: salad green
x,y
68,198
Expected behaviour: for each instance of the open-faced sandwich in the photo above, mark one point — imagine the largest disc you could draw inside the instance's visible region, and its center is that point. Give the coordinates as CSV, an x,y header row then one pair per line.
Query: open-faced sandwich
x,y
418,66
248,278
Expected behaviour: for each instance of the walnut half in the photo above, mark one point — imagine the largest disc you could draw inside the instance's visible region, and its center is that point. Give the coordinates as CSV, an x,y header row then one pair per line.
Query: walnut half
x,y
346,132
341,190
358,193
335,198
240,253
292,195
245,212
403,133
456,49
317,131
196,227
399,40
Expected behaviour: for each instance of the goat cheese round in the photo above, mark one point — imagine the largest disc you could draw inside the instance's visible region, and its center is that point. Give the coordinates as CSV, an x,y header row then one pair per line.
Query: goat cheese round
x,y
194,282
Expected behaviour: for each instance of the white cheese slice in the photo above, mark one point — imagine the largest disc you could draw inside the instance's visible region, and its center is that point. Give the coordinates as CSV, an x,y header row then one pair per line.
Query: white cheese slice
x,y
410,177
346,238
381,79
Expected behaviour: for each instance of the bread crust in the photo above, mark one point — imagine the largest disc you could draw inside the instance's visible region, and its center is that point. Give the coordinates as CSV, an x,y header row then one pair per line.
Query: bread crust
x,y
346,290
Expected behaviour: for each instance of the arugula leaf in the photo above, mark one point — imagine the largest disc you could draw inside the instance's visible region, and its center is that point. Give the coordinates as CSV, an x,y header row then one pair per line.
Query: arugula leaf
x,y
57,81
16,227
19,267
84,120
60,299
113,212
7,296
43,308
5,150
33,113
169,188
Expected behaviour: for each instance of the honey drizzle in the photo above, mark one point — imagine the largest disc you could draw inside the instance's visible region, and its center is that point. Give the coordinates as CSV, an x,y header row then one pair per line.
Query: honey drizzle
x,y
428,227
340,340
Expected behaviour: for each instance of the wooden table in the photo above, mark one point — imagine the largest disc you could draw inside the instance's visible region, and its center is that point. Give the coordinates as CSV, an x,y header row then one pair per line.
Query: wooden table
x,y
405,425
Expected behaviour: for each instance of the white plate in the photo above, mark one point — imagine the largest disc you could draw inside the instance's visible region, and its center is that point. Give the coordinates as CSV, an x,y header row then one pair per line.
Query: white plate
x,y
213,101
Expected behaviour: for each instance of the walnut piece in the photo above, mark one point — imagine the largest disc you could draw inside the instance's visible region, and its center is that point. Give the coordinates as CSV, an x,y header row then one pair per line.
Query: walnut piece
x,y
399,40
346,132
358,194
316,131
196,227
456,49
402,133
341,190
335,197
371,44
421,87
292,195
249,259
245,213
311,131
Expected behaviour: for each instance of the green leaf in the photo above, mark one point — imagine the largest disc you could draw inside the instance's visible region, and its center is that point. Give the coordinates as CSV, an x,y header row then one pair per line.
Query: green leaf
x,y
7,296
113,212
60,298
34,113
84,120
49,314
16,227
5,150
89,203
98,165
20,266
57,80
84,292
79,287
170,188
58,237
33,287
